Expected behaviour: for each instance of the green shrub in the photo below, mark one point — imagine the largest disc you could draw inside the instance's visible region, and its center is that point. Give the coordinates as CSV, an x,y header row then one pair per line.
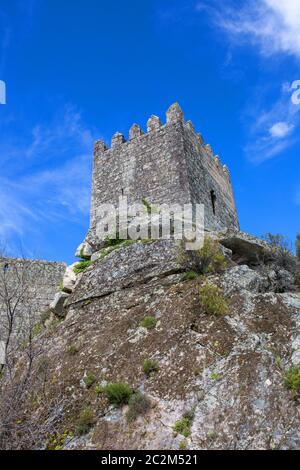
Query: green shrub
x,y
150,366
190,275
212,300
138,405
85,421
73,349
118,393
292,378
81,266
149,323
183,426
297,280
281,252
89,380
36,330
208,259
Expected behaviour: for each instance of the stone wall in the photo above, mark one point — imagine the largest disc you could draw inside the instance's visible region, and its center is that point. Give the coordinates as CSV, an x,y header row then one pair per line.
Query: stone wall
x,y
168,164
31,285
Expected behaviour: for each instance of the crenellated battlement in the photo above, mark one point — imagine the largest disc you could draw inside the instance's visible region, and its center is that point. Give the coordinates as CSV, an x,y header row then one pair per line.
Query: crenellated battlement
x,y
174,115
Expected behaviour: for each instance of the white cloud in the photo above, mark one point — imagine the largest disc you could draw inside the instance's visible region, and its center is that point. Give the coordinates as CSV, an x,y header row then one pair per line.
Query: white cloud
x,y
281,130
272,24
32,197
273,129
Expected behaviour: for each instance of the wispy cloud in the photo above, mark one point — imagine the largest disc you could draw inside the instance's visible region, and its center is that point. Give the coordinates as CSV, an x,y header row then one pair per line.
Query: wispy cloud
x,y
273,25
274,129
34,196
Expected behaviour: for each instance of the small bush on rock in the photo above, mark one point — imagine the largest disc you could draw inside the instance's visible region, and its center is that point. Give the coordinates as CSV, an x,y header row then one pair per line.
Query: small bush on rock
x,y
150,366
149,323
212,300
283,258
208,259
118,393
73,349
81,266
190,275
292,378
89,380
138,404
183,426
85,421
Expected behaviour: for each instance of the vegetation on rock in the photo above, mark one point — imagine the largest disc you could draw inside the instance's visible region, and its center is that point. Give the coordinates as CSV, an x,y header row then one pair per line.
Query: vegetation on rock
x,y
149,322
138,405
183,426
292,378
212,300
118,393
84,421
81,266
150,366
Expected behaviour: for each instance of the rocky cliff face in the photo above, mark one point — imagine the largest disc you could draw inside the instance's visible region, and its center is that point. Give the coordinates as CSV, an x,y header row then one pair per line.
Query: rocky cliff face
x,y
216,378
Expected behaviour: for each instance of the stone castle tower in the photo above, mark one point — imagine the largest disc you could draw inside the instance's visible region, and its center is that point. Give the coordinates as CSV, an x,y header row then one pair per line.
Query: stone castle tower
x,y
169,164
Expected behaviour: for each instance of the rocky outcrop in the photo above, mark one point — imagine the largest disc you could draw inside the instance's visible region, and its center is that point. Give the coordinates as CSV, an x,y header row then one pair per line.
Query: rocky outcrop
x,y
245,248
127,266
225,372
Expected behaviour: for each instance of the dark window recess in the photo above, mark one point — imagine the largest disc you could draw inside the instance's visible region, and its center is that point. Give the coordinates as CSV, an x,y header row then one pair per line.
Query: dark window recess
x,y
213,201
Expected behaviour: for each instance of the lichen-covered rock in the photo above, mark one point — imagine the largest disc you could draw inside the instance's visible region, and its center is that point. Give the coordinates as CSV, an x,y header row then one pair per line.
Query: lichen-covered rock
x,y
225,372
57,306
246,248
84,251
125,267
242,277
69,279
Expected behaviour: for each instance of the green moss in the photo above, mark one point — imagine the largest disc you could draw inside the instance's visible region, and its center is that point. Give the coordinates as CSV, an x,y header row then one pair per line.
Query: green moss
x,y
89,380
118,393
183,445
212,300
149,322
84,421
138,405
81,266
150,366
36,330
292,378
215,376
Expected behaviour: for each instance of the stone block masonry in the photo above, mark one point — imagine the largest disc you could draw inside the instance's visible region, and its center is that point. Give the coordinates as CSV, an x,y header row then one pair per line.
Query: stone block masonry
x,y
31,286
169,164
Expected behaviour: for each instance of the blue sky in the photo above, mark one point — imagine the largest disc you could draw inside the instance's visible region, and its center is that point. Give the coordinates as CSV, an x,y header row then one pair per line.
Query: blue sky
x,y
79,70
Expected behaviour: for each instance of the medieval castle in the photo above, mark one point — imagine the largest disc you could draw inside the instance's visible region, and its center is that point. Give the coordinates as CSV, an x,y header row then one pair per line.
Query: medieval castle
x,y
170,164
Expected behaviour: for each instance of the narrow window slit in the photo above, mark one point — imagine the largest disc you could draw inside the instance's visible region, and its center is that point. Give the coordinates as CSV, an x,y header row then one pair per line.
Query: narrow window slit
x,y
213,200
